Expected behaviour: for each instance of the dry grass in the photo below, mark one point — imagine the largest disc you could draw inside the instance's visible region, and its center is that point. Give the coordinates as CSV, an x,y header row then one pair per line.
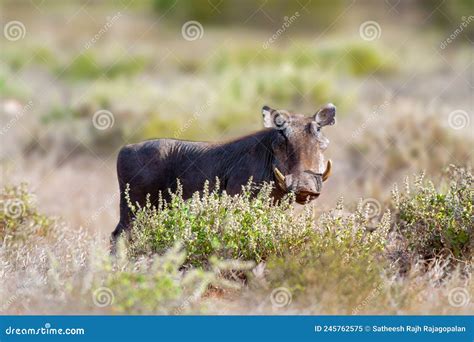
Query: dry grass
x,y
416,261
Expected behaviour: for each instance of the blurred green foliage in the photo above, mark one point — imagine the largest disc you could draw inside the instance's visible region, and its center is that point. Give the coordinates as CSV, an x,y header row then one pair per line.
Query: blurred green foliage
x,y
89,65
355,59
297,77
314,14
320,12
452,13
153,94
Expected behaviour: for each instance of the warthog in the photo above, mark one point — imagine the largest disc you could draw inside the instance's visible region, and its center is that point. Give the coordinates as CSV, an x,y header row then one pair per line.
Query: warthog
x,y
288,152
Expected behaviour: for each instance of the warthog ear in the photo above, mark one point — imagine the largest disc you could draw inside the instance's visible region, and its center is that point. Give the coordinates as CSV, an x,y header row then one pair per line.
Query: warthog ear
x,y
267,116
326,115
274,118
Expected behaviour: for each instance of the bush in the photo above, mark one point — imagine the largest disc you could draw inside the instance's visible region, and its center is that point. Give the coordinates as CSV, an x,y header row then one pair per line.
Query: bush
x,y
432,223
343,259
90,65
19,216
342,58
345,262
157,284
229,227
321,13
48,267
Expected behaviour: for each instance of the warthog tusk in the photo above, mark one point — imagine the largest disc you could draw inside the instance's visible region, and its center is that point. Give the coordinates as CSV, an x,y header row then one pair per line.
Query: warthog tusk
x,y
280,178
327,172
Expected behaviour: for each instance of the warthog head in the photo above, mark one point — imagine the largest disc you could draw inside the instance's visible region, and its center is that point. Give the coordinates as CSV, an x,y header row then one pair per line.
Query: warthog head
x,y
299,164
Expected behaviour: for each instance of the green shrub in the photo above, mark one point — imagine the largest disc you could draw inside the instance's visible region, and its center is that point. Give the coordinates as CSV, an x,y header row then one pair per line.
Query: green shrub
x,y
83,67
320,13
19,216
229,227
433,223
18,57
364,59
343,259
157,284
92,65
12,88
342,58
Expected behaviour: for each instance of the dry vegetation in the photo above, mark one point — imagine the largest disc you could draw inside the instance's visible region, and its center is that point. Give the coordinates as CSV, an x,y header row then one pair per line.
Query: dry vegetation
x,y
219,254
364,247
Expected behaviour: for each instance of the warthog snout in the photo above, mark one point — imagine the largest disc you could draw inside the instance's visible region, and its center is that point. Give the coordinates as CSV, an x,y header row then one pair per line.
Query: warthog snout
x,y
306,185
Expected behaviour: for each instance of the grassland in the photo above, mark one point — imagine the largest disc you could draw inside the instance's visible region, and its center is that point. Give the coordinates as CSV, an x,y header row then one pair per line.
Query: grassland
x,y
381,239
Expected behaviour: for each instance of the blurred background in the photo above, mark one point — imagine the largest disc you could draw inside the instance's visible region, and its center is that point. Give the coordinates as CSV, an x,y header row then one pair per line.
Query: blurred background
x,y
79,79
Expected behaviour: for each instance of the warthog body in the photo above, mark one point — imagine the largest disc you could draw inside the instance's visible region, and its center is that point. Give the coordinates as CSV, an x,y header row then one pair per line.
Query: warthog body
x,y
287,152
